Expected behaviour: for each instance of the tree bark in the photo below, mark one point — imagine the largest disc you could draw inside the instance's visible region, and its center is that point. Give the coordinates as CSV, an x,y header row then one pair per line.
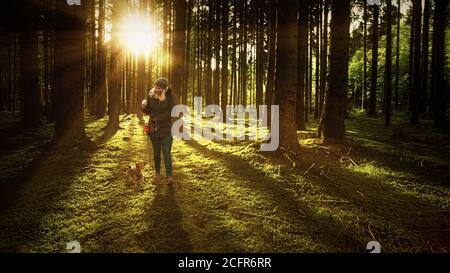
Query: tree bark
x,y
374,79
388,66
224,94
441,93
416,91
424,67
333,117
70,42
364,93
286,73
114,84
272,55
302,45
29,62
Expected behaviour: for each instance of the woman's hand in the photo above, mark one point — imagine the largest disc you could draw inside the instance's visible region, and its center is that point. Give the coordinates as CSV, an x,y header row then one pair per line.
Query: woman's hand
x,y
144,105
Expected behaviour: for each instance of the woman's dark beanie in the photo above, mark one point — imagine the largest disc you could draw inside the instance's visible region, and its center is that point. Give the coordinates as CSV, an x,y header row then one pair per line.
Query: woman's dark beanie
x,y
162,83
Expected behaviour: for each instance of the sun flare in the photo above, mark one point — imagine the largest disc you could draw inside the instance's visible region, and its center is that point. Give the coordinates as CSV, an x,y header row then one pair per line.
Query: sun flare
x,y
138,35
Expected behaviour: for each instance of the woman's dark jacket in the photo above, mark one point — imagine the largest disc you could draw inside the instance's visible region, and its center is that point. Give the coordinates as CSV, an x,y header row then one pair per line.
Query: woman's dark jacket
x,y
160,113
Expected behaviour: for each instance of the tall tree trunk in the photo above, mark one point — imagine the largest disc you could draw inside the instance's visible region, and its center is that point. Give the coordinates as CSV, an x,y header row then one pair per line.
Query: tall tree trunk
x,y
320,54
93,61
209,23
317,109
302,45
141,75
425,45
416,91
311,47
166,33
259,53
397,56
224,94
244,54
374,78
216,40
187,49
234,60
364,93
101,63
307,63
179,45
114,83
272,45
333,117
46,48
441,93
286,73
70,43
29,62
324,53
388,66
411,63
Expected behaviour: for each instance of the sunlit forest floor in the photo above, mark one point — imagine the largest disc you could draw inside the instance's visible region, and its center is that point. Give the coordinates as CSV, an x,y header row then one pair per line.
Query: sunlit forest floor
x,y
390,185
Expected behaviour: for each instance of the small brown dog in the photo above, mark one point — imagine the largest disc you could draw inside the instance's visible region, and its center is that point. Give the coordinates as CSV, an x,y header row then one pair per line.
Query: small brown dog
x,y
134,173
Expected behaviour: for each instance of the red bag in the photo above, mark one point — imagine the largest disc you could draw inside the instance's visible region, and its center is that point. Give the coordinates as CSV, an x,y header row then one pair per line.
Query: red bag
x,y
151,127
146,128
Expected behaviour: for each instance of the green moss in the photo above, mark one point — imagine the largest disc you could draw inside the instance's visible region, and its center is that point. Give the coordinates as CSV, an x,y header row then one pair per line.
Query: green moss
x,y
229,197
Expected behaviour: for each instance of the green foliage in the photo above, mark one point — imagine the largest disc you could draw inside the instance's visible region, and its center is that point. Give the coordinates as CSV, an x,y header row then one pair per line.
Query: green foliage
x,y
356,65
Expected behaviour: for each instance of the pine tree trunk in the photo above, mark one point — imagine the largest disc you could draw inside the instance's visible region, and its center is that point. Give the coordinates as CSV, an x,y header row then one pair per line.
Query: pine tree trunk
x,y
411,64
416,91
259,54
244,54
70,43
324,53
216,40
209,91
286,73
101,64
187,54
179,45
397,55
441,93
307,63
114,84
374,79
302,45
425,45
234,60
317,72
364,93
333,118
93,62
29,62
272,45
224,94
388,67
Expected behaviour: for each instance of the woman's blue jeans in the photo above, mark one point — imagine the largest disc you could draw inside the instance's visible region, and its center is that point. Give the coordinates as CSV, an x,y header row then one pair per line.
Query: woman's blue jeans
x,y
163,144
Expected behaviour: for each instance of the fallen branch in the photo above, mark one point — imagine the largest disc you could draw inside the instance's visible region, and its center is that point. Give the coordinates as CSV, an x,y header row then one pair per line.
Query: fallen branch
x,y
310,167
333,201
370,231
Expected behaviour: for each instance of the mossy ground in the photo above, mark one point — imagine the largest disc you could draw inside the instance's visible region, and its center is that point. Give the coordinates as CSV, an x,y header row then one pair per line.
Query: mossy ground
x,y
390,185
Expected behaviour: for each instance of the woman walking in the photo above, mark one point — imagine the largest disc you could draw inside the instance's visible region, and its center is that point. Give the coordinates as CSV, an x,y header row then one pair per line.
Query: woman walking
x,y
158,106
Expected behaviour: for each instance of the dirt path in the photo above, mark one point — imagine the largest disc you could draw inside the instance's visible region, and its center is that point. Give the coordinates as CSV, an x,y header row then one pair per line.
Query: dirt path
x,y
227,198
